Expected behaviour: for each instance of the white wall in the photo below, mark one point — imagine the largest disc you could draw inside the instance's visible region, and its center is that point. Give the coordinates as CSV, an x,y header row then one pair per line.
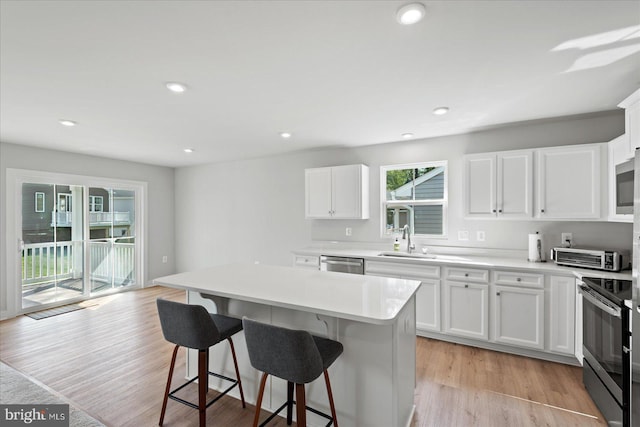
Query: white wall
x,y
253,210
160,199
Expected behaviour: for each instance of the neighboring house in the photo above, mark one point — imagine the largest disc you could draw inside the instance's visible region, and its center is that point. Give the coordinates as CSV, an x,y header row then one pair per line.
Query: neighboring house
x,y
47,213
426,219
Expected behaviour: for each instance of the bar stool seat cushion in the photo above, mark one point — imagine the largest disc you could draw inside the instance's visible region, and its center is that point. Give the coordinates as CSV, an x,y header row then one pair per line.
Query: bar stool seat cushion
x,y
293,355
227,326
329,350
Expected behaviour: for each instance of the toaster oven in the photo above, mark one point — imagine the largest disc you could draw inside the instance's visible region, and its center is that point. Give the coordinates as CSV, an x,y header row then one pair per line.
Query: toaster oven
x,y
591,258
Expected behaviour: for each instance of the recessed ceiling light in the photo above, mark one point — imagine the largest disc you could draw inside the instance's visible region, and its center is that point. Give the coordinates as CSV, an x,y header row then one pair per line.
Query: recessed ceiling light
x,y
68,123
189,150
285,135
407,135
440,111
411,13
176,87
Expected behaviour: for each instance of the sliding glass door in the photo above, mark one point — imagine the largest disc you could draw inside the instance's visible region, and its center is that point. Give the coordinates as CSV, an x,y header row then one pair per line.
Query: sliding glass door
x,y
112,238
52,259
77,237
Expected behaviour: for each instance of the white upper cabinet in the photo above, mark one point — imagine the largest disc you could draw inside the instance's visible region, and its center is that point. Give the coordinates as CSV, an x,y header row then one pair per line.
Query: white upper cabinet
x,y
569,182
337,192
632,121
499,184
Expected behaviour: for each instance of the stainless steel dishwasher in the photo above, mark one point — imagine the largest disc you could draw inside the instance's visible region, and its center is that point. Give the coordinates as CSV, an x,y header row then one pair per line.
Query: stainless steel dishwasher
x,y
342,264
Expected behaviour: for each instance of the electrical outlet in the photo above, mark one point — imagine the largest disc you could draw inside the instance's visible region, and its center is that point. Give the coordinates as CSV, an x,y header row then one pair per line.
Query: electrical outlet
x,y
463,235
480,236
347,231
165,259
566,239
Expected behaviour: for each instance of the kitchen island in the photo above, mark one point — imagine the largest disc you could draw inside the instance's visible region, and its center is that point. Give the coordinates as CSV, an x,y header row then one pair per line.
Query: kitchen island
x,y
373,317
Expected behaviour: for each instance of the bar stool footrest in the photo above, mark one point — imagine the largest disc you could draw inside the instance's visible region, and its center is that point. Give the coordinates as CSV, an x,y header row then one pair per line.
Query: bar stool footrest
x,y
214,400
284,405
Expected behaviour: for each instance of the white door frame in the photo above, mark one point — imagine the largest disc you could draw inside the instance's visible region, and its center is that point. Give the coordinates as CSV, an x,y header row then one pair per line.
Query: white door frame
x,y
13,218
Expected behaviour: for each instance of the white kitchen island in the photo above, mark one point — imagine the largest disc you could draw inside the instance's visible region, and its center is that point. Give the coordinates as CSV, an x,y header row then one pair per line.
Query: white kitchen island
x,y
373,381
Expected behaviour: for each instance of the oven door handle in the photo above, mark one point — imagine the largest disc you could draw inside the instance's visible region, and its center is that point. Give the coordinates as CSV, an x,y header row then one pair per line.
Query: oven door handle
x,y
590,296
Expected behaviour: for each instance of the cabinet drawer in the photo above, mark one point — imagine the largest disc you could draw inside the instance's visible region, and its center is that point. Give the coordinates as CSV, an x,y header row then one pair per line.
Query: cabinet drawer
x,y
402,271
518,278
467,274
307,261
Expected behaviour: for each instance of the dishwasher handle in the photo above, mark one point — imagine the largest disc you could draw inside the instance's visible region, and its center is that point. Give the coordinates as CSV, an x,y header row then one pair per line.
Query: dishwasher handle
x,y
350,263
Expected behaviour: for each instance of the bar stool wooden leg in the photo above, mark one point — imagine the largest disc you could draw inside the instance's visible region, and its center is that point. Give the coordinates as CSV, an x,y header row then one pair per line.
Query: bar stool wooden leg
x,y
168,389
333,408
263,381
289,402
301,406
203,379
235,364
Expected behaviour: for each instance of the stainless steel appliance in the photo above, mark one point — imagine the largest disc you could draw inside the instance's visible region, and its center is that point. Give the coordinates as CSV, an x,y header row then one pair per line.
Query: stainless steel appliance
x,y
342,264
591,258
606,318
635,392
624,187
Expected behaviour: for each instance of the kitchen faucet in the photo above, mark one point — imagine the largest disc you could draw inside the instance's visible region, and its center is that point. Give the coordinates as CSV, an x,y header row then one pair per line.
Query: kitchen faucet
x,y
406,234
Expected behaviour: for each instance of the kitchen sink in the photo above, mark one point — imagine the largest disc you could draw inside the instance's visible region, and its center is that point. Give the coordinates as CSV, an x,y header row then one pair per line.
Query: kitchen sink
x,y
407,255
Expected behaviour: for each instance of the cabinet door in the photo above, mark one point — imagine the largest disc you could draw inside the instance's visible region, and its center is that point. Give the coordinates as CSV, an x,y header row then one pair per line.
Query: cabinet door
x,y
480,185
569,182
466,311
428,306
632,124
346,187
518,316
561,320
515,184
318,193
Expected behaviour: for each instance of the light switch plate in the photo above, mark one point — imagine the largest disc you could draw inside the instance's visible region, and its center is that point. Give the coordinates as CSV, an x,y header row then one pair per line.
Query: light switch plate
x,y
463,235
480,236
566,239
347,231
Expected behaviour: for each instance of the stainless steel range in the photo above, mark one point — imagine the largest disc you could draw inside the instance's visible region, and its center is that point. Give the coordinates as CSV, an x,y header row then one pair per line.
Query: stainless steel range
x,y
607,328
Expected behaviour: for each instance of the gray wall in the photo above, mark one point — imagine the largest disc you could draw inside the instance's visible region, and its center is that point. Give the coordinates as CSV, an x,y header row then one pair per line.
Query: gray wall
x,y
160,198
253,210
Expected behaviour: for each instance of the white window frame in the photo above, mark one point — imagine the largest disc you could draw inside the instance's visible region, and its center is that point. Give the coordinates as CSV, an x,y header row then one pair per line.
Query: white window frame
x,y
384,203
44,201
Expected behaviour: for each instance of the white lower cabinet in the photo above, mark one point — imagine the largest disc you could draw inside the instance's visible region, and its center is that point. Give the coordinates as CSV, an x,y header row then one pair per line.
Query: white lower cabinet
x,y
518,316
561,316
428,306
428,295
466,309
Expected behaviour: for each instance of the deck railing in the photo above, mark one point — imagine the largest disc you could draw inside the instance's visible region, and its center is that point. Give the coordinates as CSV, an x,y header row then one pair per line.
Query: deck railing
x,y
46,262
64,219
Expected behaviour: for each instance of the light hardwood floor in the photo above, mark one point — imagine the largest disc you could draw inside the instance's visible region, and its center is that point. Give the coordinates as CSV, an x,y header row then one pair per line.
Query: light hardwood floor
x,y
111,360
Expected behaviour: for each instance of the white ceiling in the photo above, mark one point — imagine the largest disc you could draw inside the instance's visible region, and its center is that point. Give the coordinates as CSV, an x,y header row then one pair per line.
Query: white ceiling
x,y
334,73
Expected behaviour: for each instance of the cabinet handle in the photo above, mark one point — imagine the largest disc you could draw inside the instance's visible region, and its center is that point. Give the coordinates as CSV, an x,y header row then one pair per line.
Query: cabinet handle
x,y
498,293
466,274
519,279
466,285
494,211
542,210
500,211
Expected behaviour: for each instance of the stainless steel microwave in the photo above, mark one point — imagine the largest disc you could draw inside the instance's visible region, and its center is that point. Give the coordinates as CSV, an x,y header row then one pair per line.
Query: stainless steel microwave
x,y
624,187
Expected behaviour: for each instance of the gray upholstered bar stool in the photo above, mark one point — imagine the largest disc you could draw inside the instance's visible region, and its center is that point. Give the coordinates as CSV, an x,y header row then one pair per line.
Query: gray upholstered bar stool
x,y
192,326
292,355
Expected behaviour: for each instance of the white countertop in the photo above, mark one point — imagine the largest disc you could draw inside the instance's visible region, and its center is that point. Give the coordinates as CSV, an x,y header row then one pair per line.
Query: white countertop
x,y
467,261
369,299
